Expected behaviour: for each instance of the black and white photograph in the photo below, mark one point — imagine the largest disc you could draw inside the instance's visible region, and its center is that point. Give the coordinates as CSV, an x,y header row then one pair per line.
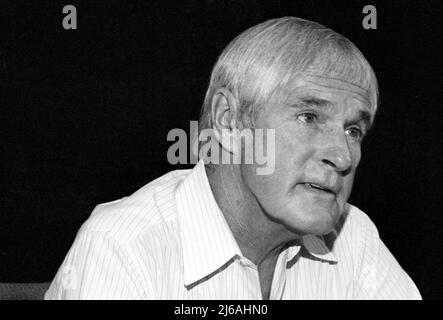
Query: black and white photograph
x,y
221,150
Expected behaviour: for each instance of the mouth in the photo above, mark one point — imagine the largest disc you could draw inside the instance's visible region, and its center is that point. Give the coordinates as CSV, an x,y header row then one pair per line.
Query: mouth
x,y
318,187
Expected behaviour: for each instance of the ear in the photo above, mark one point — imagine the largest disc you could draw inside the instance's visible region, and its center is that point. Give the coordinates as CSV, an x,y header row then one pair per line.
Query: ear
x,y
224,111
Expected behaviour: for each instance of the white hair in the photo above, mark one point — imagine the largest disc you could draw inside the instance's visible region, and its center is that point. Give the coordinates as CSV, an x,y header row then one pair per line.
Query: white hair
x,y
271,55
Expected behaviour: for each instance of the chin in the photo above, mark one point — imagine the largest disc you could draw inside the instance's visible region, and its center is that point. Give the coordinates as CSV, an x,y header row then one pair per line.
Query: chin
x,y
319,221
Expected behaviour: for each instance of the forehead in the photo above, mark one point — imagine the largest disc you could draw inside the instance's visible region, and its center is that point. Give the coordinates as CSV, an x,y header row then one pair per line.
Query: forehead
x,y
330,89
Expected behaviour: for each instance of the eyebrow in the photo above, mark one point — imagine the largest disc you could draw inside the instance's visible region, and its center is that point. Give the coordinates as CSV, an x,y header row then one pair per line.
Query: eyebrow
x,y
315,102
312,101
366,117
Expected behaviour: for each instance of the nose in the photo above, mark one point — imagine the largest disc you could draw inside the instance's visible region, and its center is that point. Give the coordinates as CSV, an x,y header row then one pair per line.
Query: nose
x,y
337,154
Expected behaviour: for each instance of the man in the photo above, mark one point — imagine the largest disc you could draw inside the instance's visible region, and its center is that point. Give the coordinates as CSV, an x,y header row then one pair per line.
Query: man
x,y
223,231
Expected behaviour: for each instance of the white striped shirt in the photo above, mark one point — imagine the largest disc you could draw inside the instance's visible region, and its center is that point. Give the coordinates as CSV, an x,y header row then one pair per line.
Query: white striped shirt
x,y
169,240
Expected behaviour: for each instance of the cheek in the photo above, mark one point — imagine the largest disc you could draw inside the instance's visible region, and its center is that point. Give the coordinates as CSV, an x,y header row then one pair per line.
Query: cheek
x,y
349,182
270,188
356,156
293,147
266,189
349,179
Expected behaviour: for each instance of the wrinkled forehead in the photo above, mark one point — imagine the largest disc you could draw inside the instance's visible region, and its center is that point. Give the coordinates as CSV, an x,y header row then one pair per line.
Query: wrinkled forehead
x,y
334,85
322,87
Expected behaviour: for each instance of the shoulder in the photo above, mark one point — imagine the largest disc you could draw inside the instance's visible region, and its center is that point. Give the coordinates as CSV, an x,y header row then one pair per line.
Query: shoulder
x,y
149,208
353,235
376,273
355,223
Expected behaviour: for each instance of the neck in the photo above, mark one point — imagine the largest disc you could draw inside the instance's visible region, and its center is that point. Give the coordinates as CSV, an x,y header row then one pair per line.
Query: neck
x,y
260,239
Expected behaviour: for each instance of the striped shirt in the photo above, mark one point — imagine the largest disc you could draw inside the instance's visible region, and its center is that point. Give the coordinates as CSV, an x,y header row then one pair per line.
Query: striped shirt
x,y
169,240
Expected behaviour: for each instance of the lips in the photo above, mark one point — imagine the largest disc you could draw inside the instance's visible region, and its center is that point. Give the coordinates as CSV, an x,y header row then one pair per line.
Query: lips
x,y
321,187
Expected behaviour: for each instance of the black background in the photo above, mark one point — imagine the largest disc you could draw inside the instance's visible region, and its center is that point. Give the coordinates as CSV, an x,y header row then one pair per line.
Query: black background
x,y
85,113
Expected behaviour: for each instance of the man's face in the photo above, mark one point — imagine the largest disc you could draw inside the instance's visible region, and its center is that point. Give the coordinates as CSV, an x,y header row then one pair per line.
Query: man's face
x,y
318,133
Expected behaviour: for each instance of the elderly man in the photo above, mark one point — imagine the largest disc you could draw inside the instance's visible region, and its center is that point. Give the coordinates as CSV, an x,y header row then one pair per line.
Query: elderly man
x,y
223,231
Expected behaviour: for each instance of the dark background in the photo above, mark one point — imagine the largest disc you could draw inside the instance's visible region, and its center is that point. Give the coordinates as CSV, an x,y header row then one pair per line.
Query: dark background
x,y
84,115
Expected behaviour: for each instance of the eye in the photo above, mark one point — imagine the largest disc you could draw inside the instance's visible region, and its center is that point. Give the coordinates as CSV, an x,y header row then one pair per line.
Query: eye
x,y
355,133
307,117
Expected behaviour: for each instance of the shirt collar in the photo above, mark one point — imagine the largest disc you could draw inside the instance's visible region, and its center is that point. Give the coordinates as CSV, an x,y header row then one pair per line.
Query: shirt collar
x,y
207,241
317,247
